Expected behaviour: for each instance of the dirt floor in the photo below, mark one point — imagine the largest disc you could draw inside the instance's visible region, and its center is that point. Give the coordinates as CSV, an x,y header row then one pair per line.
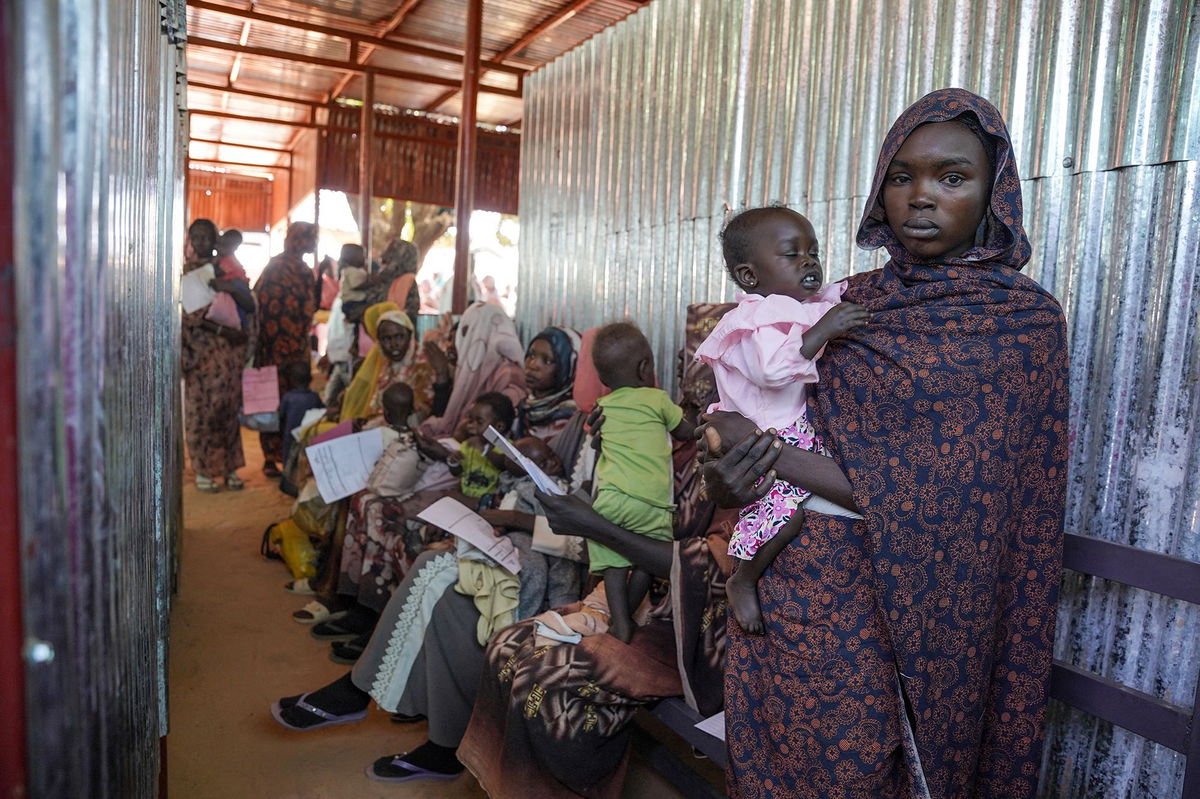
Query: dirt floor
x,y
234,649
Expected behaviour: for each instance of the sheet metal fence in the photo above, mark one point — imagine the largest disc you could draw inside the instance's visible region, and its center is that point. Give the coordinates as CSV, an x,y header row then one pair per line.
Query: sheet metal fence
x,y
637,144
97,238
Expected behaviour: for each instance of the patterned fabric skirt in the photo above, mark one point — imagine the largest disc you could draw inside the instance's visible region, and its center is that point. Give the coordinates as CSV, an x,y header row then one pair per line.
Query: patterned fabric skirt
x,y
212,398
760,521
382,540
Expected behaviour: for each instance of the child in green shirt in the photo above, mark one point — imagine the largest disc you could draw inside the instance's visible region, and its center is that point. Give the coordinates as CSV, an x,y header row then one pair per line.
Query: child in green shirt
x,y
634,486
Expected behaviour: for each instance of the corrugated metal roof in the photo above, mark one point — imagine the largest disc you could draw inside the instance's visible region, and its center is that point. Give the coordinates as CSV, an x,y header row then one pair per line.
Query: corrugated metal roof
x,y
323,31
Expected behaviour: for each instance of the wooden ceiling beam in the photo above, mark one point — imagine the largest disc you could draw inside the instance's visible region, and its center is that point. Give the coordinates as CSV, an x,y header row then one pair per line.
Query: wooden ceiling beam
x,y
380,42
339,64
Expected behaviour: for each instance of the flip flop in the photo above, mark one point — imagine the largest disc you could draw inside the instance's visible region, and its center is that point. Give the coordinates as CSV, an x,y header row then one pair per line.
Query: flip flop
x,y
563,632
207,485
412,772
329,718
316,612
400,718
347,653
301,587
334,631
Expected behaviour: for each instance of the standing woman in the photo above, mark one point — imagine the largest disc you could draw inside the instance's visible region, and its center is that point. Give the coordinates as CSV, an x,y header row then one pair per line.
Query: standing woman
x,y
212,360
908,654
286,302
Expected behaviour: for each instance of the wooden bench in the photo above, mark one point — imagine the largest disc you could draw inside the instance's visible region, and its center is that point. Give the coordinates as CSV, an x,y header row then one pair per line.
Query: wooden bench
x,y
1175,727
1172,726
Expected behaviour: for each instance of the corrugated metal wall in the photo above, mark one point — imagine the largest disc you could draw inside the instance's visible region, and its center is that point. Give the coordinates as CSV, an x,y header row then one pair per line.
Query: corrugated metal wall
x,y
638,142
98,231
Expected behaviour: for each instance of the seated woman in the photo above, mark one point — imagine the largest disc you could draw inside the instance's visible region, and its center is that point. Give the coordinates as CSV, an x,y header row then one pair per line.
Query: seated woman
x,y
426,659
379,547
392,359
550,361
488,358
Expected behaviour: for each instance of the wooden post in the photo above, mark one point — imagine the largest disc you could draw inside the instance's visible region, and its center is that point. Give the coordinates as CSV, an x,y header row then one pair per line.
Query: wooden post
x,y
464,193
366,140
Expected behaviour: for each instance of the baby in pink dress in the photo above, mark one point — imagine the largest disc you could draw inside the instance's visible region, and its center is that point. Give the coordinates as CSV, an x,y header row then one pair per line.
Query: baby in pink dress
x,y
763,354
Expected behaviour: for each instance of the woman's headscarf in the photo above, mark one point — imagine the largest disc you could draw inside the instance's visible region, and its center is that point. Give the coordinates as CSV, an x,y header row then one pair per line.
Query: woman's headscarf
x,y
559,404
366,380
1002,239
400,257
486,341
947,412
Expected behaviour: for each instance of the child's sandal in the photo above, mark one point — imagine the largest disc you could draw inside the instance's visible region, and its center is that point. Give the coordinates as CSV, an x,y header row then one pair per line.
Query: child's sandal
x,y
233,482
207,484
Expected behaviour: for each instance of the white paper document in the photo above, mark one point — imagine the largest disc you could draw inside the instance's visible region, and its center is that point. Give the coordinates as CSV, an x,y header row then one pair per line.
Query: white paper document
x,y
714,725
194,292
311,417
542,480
342,465
457,519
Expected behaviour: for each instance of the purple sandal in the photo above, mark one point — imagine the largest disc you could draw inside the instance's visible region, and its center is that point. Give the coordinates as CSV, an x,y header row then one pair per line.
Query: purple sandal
x,y
411,772
329,718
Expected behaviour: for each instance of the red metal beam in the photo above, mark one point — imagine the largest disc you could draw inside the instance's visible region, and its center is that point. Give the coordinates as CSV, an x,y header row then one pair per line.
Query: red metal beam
x,y
235,163
464,190
200,112
554,20
366,166
398,18
278,150
333,63
351,36
442,98
362,54
251,93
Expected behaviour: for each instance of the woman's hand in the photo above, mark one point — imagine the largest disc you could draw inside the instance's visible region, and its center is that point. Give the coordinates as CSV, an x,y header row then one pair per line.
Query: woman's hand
x,y
430,448
593,423
234,335
742,475
728,426
438,360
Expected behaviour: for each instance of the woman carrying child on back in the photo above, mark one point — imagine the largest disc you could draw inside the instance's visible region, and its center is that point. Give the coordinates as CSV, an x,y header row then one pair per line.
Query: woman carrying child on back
x,y
763,354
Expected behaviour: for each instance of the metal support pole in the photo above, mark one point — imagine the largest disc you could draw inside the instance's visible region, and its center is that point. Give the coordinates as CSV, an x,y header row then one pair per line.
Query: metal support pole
x,y
464,194
366,141
318,166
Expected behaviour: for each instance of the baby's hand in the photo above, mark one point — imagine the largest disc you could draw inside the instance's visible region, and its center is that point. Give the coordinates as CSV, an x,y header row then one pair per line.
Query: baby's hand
x,y
842,317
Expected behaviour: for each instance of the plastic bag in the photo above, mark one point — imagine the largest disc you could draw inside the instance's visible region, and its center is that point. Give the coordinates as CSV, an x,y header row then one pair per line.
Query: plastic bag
x,y
295,548
223,310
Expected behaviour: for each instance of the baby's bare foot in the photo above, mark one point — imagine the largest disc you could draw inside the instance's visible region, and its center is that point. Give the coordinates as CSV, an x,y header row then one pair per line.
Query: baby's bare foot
x,y
743,598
